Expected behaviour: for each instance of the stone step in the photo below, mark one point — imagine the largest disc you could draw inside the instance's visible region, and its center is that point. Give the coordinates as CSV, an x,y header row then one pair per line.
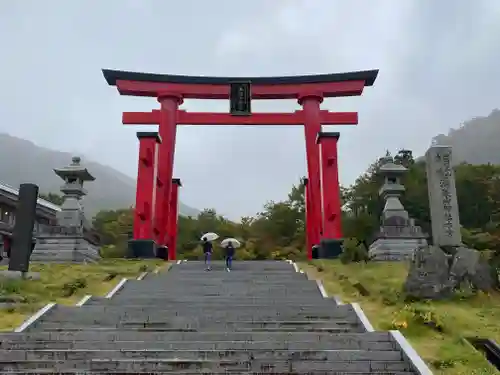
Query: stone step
x,y
134,335
189,372
353,344
323,307
197,326
236,296
219,365
227,278
222,317
258,266
243,312
298,281
223,302
200,275
159,287
190,355
332,327
265,292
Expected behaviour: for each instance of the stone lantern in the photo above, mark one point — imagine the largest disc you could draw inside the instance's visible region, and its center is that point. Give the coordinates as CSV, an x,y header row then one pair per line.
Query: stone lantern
x,y
65,242
74,176
398,236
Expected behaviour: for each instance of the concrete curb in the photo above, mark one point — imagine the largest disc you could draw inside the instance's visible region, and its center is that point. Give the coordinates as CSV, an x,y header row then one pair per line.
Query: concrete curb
x,y
116,288
362,317
321,288
87,297
34,318
411,355
338,301
84,300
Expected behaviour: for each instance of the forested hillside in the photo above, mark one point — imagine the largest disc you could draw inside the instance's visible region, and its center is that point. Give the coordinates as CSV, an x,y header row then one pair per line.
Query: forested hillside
x,y
23,161
475,141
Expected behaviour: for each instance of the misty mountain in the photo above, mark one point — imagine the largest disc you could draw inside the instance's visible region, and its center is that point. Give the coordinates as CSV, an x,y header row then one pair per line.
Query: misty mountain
x,y
23,161
476,141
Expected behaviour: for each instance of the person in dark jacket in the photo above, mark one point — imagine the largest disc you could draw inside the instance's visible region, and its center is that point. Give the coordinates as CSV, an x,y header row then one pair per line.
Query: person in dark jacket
x,y
207,251
229,256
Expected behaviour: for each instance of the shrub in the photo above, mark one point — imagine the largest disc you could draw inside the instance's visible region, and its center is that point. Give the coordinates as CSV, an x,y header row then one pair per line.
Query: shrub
x,y
72,287
110,276
113,251
353,251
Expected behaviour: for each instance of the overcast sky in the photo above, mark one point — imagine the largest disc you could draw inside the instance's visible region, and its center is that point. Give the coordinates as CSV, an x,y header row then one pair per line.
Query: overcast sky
x,y
439,65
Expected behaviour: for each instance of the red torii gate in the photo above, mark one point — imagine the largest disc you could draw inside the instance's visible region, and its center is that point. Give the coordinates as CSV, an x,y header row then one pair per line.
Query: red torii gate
x,y
154,224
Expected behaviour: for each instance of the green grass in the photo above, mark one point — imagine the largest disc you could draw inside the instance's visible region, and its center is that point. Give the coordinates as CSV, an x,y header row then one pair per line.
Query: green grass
x,y
65,284
435,329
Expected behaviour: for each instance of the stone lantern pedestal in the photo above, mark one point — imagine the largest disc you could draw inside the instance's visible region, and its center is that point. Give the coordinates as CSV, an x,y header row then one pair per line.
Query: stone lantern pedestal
x,y
65,242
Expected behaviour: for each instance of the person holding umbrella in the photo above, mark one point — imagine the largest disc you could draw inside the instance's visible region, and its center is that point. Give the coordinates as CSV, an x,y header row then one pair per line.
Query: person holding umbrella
x,y
207,251
208,248
229,255
230,244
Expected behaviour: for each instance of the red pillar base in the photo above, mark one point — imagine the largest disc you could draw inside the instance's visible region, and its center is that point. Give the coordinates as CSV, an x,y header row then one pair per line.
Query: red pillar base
x,y
330,248
141,249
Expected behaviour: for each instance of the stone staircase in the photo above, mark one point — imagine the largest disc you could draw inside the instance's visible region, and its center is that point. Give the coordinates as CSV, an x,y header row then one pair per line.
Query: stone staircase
x,y
263,317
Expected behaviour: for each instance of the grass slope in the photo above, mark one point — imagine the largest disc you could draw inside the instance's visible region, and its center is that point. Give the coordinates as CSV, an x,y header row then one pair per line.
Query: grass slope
x,y
435,329
65,284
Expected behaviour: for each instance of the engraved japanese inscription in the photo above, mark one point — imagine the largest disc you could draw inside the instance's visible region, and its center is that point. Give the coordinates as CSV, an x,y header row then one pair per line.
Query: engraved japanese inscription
x,y
241,99
443,204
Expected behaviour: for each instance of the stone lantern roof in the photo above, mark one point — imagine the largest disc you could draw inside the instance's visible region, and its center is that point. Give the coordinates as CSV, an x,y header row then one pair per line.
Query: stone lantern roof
x,y
74,170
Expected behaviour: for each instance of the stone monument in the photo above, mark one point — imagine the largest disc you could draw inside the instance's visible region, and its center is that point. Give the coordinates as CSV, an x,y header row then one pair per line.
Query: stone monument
x,y
22,235
398,236
443,204
65,242
438,270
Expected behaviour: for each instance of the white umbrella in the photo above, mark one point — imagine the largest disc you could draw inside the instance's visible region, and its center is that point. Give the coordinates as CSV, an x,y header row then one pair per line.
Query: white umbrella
x,y
210,236
233,241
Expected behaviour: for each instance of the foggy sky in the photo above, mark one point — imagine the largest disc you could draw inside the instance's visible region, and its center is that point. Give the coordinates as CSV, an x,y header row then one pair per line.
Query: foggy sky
x,y
439,66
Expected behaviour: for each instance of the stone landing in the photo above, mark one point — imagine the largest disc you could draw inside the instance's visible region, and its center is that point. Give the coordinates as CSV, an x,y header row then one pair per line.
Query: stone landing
x,y
394,249
64,249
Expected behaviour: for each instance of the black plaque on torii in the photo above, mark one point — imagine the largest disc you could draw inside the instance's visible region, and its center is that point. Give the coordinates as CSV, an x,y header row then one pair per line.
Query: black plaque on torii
x,y
240,98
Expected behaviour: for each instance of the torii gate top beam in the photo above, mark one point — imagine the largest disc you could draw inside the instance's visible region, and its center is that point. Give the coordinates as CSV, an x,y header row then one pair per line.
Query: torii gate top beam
x,y
199,87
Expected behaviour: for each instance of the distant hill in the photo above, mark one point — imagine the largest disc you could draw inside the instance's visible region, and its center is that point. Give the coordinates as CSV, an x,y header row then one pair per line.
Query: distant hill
x,y
476,141
23,161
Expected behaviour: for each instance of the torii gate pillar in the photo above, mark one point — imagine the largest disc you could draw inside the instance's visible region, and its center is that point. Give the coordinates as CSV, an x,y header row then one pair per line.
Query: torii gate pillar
x,y
331,241
312,126
173,219
308,223
143,244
